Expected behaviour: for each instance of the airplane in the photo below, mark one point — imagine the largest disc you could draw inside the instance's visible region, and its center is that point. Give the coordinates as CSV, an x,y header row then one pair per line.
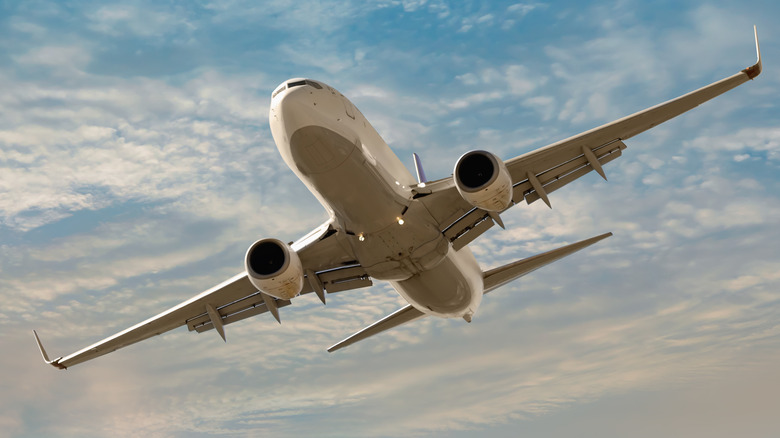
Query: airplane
x,y
386,224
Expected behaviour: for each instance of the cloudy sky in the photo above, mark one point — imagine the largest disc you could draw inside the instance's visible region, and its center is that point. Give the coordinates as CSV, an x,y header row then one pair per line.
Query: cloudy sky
x,y
136,167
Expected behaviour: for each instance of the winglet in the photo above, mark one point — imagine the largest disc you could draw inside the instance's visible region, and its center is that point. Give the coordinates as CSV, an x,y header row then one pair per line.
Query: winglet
x,y
55,362
755,69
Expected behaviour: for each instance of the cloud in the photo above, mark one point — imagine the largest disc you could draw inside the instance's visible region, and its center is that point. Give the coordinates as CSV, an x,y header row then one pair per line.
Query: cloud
x,y
80,157
505,84
582,360
123,196
524,9
28,28
763,141
309,18
147,20
69,58
505,19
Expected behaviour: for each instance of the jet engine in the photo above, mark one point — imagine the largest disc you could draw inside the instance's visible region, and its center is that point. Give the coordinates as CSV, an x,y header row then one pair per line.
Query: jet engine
x,y
274,268
483,181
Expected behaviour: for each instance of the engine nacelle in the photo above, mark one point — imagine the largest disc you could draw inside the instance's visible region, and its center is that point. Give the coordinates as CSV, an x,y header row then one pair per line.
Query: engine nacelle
x,y
274,268
483,181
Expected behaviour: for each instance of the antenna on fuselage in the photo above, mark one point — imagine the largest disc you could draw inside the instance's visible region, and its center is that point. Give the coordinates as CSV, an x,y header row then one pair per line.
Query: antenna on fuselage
x,y
421,179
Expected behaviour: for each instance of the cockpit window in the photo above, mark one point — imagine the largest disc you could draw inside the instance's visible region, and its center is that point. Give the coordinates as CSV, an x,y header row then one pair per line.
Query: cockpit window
x,y
279,90
304,82
314,84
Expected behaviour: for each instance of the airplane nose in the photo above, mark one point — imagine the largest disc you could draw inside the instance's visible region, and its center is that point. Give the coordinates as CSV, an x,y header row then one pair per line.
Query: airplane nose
x,y
294,109
292,102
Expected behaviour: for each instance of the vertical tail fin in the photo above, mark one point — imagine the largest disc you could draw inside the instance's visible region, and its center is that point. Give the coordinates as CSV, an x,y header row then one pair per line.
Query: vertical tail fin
x,y
421,179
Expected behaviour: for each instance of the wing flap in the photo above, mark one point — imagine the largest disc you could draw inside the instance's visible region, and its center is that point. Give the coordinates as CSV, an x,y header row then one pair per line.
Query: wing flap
x,y
239,310
467,228
333,280
348,284
344,278
472,230
562,162
475,222
628,126
228,291
236,299
557,177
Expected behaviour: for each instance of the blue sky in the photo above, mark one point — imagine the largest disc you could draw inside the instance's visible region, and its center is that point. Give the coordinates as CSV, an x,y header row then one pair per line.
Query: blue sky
x,y
136,167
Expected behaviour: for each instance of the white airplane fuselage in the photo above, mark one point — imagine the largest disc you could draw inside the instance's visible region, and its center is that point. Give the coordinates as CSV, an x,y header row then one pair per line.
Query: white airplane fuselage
x,y
366,190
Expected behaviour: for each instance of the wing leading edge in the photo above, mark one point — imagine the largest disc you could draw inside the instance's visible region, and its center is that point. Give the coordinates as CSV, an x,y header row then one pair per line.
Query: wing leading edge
x,y
231,290
538,173
560,163
329,268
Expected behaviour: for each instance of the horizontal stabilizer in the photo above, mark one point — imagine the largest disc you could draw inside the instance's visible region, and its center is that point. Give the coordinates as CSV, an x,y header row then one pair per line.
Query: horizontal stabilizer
x,y
401,316
504,274
492,278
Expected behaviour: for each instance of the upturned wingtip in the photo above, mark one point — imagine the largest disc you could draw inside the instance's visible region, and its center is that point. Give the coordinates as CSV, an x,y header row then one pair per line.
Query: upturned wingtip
x,y
55,362
755,69
40,347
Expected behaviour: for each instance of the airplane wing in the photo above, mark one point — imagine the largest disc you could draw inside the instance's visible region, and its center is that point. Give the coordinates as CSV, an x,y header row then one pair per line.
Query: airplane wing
x,y
329,268
538,173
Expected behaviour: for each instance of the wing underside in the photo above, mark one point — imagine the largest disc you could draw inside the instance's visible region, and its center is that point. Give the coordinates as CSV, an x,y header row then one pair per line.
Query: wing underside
x,y
538,173
329,269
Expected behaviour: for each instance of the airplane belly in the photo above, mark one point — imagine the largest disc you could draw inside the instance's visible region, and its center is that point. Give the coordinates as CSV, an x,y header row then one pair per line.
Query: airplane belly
x,y
452,289
335,167
392,237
